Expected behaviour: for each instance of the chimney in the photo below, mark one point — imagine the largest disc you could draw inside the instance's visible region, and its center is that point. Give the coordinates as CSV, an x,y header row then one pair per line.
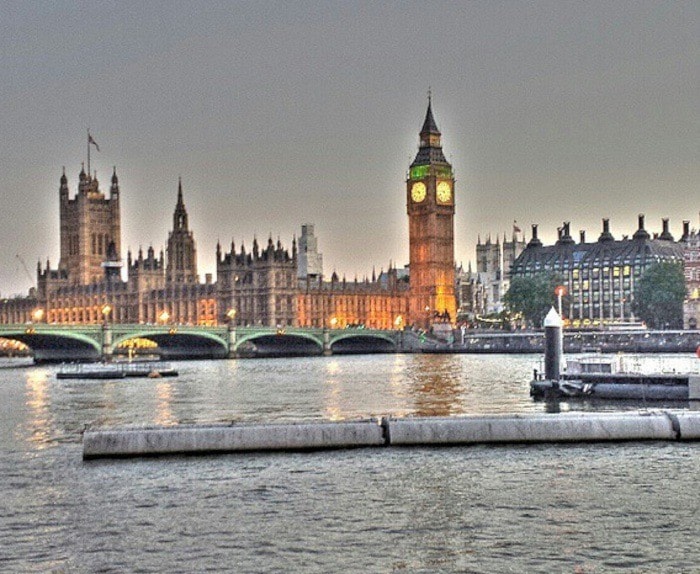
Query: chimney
x,y
686,230
534,242
606,235
582,235
641,233
665,233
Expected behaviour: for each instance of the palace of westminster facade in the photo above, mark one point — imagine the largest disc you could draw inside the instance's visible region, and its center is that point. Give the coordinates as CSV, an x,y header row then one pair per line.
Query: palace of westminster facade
x,y
266,285
273,286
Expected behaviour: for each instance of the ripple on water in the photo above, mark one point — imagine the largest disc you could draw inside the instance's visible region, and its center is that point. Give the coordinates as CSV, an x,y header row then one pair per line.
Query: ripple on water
x,y
590,508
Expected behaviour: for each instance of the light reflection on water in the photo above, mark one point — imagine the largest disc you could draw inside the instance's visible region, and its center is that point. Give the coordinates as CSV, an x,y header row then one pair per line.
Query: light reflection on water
x,y
587,508
332,388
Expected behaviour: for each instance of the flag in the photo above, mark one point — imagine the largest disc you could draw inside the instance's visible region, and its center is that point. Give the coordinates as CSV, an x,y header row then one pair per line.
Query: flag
x,y
516,229
93,142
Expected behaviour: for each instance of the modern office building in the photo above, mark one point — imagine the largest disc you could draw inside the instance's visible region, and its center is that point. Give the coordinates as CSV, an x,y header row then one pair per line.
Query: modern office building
x,y
600,276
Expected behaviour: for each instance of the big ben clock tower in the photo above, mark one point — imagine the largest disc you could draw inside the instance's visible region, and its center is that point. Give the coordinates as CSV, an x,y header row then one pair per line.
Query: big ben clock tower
x,y
431,207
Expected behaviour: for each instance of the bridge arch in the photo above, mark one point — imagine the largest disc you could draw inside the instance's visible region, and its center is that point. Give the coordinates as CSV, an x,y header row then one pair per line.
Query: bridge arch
x,y
176,343
57,346
274,343
355,342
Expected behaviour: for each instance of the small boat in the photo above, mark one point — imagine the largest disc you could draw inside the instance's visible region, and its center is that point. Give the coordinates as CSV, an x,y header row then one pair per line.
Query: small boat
x,y
609,378
118,370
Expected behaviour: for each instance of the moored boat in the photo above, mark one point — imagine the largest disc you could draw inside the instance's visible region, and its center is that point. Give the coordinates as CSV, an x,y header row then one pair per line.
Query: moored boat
x,y
610,378
117,370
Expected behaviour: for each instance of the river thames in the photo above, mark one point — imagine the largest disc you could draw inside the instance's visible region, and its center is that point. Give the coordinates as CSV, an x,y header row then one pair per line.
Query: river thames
x,y
546,508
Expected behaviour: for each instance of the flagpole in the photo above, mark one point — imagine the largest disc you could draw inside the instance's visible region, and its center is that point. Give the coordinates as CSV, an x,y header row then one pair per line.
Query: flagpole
x,y
88,145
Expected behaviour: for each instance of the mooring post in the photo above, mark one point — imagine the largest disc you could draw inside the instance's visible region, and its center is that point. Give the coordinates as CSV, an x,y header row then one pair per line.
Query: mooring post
x,y
552,345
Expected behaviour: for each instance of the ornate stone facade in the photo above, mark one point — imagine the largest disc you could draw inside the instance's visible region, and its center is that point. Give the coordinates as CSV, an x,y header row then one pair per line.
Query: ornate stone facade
x,y
257,288
89,223
431,206
270,286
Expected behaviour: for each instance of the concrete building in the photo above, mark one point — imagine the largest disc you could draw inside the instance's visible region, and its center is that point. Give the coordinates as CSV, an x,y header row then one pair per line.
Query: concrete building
x,y
310,261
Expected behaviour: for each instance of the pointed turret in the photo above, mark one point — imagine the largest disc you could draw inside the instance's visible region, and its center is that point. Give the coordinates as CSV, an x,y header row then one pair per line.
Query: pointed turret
x,y
180,214
114,190
429,126
430,149
181,250
63,187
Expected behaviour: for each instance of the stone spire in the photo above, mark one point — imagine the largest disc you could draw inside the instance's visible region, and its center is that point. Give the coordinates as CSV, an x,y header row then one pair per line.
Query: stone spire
x,y
180,214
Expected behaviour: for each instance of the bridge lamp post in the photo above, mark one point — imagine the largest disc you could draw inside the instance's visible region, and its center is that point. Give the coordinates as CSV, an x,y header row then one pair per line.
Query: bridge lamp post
x,y
106,310
231,317
398,322
37,315
164,317
106,333
334,322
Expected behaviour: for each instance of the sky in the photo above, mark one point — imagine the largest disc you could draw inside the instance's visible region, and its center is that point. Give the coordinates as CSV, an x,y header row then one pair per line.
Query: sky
x,y
276,114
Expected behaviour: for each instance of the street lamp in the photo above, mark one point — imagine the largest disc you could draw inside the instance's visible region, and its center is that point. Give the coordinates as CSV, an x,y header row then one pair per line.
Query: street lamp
x,y
559,291
398,322
334,322
231,316
164,317
37,315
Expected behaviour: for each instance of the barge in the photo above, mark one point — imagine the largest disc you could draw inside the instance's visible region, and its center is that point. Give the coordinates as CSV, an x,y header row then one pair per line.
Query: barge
x,y
152,369
608,377
605,378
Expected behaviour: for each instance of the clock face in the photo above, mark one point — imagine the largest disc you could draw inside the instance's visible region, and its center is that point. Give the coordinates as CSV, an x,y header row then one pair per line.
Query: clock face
x,y
418,191
444,192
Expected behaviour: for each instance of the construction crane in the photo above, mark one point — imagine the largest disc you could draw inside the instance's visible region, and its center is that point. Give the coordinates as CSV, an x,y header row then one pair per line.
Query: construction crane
x,y
26,269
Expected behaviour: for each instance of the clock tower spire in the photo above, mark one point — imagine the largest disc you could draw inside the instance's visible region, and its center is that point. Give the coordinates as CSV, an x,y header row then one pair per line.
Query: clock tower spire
x,y
431,207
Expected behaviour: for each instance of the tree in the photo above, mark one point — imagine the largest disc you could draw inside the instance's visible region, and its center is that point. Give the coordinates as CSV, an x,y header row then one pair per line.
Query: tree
x,y
532,296
659,295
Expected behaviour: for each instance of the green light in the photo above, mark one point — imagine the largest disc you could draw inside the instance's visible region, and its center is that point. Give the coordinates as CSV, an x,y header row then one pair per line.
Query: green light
x,y
419,171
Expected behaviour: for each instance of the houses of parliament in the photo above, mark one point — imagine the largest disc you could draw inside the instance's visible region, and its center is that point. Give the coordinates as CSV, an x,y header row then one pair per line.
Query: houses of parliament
x,y
268,284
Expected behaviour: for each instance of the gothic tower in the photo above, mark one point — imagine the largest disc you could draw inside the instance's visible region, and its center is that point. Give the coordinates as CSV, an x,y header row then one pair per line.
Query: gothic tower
x,y
182,254
89,224
431,207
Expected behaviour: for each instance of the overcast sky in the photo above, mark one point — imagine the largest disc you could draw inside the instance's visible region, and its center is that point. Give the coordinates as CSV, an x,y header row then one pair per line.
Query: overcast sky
x,y
281,113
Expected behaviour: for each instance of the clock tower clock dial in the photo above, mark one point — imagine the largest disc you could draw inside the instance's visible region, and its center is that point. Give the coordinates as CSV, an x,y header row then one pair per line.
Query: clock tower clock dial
x,y
418,191
444,192
431,206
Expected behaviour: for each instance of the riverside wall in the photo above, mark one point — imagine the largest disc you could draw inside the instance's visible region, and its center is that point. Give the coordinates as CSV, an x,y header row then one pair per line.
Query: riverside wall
x,y
574,342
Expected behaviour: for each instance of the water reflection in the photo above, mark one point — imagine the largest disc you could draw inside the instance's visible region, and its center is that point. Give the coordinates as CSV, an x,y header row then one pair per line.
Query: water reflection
x,y
333,410
164,403
38,402
436,386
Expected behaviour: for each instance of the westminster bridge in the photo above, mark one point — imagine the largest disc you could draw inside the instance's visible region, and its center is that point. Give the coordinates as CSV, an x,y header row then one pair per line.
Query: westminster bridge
x,y
62,343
